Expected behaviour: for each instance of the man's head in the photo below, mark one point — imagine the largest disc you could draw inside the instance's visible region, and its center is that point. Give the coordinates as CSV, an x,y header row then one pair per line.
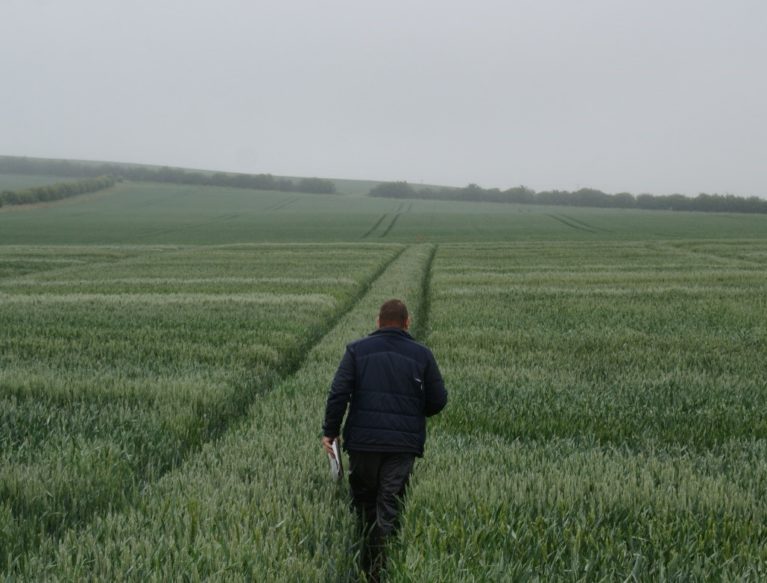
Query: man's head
x,y
393,314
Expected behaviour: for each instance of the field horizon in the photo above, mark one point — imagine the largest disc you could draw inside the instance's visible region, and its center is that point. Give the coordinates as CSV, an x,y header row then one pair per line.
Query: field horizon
x,y
156,213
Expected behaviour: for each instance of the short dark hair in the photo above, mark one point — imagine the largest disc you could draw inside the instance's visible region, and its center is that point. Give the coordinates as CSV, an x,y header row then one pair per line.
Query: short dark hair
x,y
393,313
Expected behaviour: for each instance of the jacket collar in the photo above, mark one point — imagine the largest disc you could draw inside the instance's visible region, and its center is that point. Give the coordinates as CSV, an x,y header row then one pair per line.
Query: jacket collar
x,y
392,330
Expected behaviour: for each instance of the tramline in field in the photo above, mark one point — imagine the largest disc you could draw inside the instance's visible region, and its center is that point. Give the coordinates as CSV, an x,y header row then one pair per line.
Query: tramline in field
x,y
107,384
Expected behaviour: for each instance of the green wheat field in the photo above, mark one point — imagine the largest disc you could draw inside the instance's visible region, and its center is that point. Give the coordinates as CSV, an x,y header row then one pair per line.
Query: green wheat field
x,y
165,353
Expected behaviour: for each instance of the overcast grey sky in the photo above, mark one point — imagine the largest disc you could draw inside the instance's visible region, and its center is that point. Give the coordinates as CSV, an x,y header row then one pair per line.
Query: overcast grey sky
x,y
654,96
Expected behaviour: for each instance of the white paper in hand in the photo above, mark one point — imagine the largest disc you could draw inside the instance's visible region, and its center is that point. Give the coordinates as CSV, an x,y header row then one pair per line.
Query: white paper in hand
x,y
336,465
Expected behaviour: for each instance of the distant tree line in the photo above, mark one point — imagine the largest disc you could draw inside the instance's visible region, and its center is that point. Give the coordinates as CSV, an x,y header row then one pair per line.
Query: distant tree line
x,y
55,191
585,197
38,166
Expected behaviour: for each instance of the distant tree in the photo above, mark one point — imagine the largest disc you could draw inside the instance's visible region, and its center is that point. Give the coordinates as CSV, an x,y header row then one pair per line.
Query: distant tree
x,y
555,197
520,194
470,192
623,200
285,185
647,201
590,197
393,190
56,191
316,185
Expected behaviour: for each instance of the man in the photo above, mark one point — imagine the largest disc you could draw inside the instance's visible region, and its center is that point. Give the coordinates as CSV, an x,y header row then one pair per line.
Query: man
x,y
393,383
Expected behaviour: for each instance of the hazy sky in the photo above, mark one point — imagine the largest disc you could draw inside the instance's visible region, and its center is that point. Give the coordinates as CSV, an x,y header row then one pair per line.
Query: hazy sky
x,y
654,96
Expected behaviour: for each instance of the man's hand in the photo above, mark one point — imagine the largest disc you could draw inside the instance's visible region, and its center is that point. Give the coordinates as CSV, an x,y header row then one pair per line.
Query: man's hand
x,y
327,443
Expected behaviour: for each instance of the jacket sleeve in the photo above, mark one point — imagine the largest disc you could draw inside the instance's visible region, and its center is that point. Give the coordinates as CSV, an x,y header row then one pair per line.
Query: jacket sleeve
x,y
434,386
339,395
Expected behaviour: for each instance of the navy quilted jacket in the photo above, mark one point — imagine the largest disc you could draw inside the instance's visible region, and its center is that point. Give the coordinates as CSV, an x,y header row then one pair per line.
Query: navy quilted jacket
x,y
393,383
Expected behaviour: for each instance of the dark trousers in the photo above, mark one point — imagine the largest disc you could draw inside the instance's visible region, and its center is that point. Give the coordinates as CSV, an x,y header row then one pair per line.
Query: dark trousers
x,y
378,482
